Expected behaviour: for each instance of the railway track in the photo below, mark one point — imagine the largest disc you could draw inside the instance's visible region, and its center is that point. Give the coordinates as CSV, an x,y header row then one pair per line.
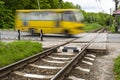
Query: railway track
x,y
58,63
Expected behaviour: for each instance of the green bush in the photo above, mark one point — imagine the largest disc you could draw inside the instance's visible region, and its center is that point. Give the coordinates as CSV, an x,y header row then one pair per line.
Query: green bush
x,y
117,68
14,51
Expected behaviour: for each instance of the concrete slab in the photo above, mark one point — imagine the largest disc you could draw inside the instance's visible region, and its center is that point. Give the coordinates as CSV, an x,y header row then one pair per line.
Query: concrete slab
x,y
47,45
85,38
79,45
98,48
114,38
102,37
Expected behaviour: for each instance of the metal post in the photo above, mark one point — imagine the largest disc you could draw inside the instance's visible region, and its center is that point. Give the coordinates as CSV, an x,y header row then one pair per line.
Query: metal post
x,y
0,37
60,3
110,17
41,35
116,23
38,4
116,17
116,5
18,34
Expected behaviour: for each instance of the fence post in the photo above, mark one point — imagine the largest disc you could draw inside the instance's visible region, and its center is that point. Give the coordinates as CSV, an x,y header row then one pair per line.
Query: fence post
x,y
18,34
41,35
0,36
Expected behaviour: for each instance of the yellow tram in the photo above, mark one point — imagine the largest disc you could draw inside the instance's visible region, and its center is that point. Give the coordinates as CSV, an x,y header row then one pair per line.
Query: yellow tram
x,y
50,21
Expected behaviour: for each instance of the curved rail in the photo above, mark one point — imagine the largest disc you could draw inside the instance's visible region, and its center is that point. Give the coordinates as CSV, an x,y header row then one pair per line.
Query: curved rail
x,y
63,73
60,75
12,67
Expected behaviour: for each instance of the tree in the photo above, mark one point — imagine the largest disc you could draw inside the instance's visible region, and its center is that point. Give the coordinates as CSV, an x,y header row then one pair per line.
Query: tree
x,y
6,16
8,7
16,4
68,5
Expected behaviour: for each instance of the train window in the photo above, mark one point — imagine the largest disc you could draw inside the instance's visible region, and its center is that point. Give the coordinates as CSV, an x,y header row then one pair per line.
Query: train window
x,y
79,17
68,16
43,16
38,16
23,16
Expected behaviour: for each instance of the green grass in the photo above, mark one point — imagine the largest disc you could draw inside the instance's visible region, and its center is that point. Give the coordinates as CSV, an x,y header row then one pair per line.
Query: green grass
x,y
15,51
6,28
116,68
111,29
90,27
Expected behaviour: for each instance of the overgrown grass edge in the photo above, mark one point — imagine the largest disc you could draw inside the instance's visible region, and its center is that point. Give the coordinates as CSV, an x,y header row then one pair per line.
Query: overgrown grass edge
x,y
116,68
17,50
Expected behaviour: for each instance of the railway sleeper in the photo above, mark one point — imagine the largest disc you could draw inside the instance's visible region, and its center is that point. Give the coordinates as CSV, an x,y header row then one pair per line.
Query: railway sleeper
x,y
83,68
34,76
69,49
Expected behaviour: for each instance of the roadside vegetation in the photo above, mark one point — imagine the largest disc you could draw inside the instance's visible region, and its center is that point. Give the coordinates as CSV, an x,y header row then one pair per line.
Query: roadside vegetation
x,y
111,28
97,20
117,68
14,51
90,27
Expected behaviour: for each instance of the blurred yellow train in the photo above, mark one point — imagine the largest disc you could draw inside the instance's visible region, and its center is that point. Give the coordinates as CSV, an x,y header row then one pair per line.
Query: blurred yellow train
x,y
50,21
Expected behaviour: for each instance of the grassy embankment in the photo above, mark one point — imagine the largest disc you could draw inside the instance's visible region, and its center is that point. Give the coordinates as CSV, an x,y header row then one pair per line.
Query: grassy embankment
x,y
14,51
90,27
117,68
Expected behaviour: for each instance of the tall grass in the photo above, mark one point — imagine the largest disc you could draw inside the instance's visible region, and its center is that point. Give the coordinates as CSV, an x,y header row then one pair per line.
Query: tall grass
x,y
117,68
14,51
111,29
89,27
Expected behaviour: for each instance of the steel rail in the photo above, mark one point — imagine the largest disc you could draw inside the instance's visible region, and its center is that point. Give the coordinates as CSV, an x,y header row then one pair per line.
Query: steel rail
x,y
99,30
19,64
63,73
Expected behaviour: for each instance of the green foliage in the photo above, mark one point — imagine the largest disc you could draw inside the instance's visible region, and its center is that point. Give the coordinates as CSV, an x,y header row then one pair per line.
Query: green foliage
x,y
100,18
14,51
8,7
91,26
1,2
6,19
111,29
117,68
16,4
68,5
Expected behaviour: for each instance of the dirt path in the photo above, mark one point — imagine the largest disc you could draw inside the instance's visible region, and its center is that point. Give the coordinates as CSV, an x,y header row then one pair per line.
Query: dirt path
x,y
103,66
